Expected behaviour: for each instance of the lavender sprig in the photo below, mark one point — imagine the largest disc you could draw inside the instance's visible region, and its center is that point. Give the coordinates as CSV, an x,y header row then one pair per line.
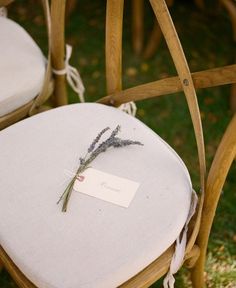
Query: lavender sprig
x,y
96,140
92,153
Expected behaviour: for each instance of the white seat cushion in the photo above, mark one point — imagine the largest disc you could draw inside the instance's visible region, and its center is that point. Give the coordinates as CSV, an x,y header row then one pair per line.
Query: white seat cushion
x,y
22,67
95,243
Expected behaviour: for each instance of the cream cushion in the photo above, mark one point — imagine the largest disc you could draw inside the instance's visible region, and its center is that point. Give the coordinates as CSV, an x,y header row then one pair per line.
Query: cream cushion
x,y
94,244
22,67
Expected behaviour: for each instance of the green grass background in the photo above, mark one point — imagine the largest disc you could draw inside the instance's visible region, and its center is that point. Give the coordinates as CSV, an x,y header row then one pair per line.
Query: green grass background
x,y
207,40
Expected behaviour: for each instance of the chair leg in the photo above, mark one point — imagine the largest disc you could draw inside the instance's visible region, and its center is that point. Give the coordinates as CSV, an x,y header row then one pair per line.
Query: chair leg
x,y
137,25
231,9
154,41
58,47
197,271
233,98
60,93
1,266
70,7
197,275
155,37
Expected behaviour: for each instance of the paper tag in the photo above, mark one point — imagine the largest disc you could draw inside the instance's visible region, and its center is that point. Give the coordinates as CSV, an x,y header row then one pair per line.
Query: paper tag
x,y
110,188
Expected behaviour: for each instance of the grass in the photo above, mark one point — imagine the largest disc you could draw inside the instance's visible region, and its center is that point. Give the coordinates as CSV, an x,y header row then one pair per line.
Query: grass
x,y
207,41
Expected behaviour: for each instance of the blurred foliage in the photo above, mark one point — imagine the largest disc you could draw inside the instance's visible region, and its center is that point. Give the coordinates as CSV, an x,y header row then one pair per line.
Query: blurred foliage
x,y
206,37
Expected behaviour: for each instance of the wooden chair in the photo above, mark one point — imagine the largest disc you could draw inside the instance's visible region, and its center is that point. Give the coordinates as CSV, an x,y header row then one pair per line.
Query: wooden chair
x,y
25,64
231,9
97,244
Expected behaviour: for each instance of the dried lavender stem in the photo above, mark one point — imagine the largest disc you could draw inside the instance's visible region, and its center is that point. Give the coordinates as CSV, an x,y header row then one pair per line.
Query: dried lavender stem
x,y
92,153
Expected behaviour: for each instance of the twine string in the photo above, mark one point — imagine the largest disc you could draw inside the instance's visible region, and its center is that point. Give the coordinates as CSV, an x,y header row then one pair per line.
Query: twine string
x,y
130,108
72,75
178,257
3,12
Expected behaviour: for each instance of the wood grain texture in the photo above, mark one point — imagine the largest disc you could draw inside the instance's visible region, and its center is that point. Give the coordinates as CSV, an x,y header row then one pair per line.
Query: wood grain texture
x,y
47,90
145,278
164,19
151,273
58,49
158,268
15,273
203,79
168,29
114,25
187,82
223,159
15,116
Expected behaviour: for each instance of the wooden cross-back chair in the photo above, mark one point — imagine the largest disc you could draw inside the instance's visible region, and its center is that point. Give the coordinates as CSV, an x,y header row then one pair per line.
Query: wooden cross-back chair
x,y
223,158
27,79
98,244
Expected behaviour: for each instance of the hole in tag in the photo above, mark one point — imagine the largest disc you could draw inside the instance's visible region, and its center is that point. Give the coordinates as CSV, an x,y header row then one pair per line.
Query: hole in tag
x,y
80,178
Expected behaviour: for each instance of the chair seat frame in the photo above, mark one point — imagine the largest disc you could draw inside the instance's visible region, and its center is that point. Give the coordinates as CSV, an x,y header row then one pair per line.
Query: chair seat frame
x,y
200,225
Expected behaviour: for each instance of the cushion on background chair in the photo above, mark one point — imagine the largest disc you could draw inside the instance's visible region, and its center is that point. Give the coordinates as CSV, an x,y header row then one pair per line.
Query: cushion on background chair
x,y
95,243
22,67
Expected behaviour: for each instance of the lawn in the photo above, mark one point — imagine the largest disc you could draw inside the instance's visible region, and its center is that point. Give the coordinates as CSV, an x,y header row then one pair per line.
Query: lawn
x,y
206,37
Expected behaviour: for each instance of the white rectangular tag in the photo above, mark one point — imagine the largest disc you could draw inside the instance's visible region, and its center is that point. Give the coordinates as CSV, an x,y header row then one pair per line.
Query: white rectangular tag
x,y
110,188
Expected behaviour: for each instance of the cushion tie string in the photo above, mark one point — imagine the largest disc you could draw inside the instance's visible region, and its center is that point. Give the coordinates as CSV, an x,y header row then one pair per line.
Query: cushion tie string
x,y
180,246
3,12
72,75
130,108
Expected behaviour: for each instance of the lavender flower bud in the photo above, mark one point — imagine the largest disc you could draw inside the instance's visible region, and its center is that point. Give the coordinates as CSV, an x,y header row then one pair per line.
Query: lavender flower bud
x,y
115,132
122,143
95,141
81,161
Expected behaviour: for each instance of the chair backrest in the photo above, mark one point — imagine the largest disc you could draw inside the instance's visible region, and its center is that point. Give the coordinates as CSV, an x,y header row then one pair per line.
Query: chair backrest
x,y
187,83
55,20
184,82
114,20
44,94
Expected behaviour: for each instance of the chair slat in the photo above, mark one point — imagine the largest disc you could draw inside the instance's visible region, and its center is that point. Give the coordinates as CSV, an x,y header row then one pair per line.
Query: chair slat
x,y
58,49
114,25
202,79
44,94
176,51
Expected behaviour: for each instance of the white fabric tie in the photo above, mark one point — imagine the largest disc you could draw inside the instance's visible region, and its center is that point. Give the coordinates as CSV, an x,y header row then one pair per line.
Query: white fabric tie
x,y
180,246
72,75
3,12
130,108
